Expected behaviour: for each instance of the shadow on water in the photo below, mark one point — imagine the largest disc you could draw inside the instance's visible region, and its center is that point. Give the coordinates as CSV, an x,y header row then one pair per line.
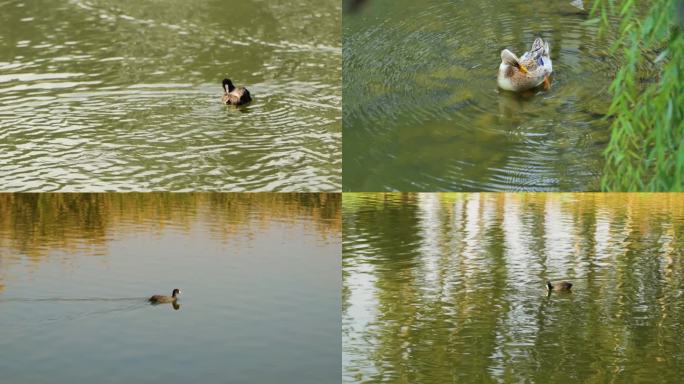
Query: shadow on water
x,y
352,6
559,293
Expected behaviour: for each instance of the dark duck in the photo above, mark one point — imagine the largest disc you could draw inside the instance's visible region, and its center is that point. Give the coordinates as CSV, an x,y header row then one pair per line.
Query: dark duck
x,y
233,95
159,299
560,286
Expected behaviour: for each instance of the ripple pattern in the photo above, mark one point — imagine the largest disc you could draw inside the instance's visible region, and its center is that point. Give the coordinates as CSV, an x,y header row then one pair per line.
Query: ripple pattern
x,y
422,111
103,96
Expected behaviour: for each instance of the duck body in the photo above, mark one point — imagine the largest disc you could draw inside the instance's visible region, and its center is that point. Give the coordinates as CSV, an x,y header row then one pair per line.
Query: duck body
x,y
561,286
233,95
527,71
159,299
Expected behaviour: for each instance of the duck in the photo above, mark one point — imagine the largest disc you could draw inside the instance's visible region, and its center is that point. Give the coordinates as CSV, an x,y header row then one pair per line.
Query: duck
x,y
532,69
561,286
159,299
233,95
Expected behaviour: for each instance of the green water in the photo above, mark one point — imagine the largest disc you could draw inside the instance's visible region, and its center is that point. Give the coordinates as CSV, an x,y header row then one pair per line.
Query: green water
x,y
422,111
450,288
259,276
99,95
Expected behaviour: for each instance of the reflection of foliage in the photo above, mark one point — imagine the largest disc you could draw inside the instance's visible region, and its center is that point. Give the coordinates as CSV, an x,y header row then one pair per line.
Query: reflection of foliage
x,y
646,149
33,224
452,301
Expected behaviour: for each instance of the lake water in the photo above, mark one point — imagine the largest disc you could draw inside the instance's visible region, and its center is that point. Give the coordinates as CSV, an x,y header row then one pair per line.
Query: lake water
x,y
450,288
259,275
422,111
98,95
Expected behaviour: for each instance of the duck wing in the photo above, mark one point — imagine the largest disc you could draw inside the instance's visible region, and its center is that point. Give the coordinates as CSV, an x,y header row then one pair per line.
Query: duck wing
x,y
238,96
537,47
538,59
536,53
243,95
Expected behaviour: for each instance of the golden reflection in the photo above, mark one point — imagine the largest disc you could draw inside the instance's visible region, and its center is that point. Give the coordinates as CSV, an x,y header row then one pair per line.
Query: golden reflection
x,y
32,225
441,286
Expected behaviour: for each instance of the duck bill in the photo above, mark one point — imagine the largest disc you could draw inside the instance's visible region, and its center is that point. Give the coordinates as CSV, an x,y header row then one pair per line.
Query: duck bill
x,y
522,68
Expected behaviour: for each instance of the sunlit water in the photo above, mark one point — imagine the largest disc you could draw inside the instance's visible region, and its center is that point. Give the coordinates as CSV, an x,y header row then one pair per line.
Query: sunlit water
x,y
98,95
450,288
259,274
422,111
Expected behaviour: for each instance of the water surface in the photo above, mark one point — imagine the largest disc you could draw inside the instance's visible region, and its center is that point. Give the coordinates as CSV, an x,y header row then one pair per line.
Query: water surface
x,y
450,288
98,95
422,111
259,274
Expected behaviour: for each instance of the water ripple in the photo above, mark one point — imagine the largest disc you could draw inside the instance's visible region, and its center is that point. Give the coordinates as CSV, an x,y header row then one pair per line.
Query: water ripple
x,y
422,110
90,102
445,286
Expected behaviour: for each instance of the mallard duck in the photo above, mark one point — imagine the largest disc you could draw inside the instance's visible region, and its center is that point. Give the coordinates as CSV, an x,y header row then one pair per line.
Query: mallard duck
x,y
233,95
562,286
159,299
528,71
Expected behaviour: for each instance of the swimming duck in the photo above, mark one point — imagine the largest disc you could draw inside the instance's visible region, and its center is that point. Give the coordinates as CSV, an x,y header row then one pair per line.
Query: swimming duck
x,y
158,299
562,286
528,71
233,95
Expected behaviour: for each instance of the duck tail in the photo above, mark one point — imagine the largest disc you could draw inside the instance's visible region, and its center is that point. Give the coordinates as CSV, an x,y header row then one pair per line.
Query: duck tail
x,y
537,44
509,58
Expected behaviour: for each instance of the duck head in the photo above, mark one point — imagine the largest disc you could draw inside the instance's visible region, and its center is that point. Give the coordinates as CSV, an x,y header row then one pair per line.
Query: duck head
x,y
175,293
228,86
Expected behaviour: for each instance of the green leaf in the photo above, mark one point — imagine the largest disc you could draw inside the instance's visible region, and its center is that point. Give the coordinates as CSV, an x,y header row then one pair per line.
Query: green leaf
x,y
593,21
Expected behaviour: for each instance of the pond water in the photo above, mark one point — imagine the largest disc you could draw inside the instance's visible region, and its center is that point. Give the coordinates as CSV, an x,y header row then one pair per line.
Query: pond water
x,y
422,111
449,288
98,95
259,276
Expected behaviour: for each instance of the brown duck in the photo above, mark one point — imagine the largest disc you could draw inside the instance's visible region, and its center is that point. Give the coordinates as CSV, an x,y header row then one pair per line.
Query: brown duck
x,y
233,95
561,286
528,71
159,299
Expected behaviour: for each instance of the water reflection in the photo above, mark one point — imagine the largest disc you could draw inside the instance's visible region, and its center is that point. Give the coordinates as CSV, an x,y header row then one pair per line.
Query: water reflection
x,y
422,111
259,272
175,305
102,96
451,287
32,225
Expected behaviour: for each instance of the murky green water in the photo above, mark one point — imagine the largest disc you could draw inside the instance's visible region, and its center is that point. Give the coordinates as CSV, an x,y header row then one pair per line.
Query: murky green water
x,y
97,95
422,111
450,288
259,275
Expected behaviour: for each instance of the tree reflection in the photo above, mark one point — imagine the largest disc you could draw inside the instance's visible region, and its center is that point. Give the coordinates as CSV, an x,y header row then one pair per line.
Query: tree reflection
x,y
450,287
33,225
